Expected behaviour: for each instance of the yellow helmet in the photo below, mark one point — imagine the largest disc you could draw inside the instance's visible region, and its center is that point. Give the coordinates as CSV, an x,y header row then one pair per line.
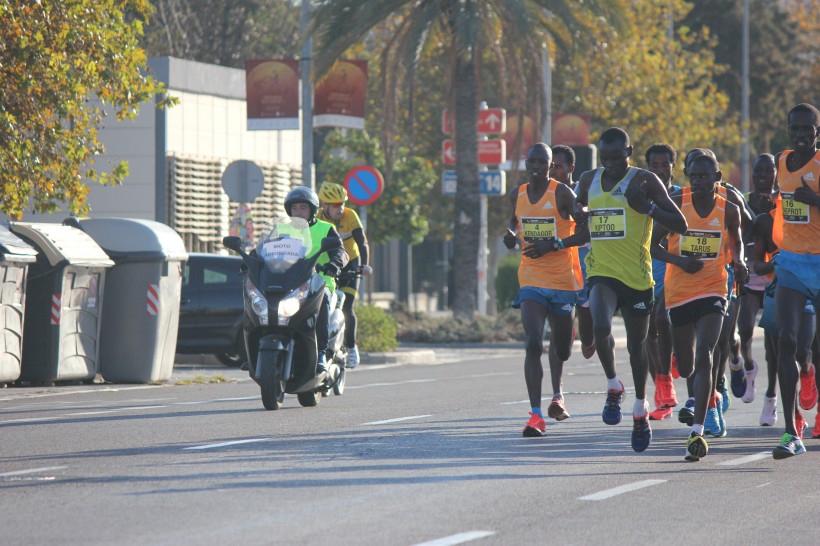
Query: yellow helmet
x,y
332,193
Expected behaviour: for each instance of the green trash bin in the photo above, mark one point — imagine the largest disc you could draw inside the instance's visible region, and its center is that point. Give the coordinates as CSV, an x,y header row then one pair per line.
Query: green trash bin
x,y
142,296
15,257
64,297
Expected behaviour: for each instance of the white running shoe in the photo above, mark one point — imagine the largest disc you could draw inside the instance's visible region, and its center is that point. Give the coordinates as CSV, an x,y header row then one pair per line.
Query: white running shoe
x,y
749,395
353,357
768,417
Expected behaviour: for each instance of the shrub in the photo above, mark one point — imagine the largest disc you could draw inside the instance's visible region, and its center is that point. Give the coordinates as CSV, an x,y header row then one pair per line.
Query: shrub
x,y
421,328
506,281
376,330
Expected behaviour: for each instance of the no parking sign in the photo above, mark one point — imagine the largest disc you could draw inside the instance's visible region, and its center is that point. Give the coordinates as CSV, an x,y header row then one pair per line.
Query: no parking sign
x,y
364,184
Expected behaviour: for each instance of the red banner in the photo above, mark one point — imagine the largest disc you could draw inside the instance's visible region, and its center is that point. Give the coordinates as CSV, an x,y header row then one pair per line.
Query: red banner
x,y
272,94
529,134
339,98
571,129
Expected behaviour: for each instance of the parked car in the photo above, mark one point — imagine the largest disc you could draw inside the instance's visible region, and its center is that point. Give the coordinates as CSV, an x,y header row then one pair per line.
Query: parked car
x,y
211,308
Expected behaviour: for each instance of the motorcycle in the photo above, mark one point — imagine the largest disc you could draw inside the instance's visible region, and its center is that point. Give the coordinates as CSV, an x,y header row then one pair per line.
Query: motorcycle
x,y
283,295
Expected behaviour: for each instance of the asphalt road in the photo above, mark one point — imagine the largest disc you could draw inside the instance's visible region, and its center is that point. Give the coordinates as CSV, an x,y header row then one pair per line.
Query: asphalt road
x,y
410,454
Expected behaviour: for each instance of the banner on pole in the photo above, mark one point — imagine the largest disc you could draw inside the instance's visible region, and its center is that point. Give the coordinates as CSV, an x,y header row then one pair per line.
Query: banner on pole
x,y
339,98
272,94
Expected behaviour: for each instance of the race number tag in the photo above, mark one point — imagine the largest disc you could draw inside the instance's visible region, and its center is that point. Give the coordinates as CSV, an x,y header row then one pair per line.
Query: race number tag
x,y
607,223
794,212
538,229
700,244
290,249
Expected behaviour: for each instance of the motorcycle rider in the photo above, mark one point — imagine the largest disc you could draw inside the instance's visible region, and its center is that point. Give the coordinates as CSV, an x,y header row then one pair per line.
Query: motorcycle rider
x,y
302,202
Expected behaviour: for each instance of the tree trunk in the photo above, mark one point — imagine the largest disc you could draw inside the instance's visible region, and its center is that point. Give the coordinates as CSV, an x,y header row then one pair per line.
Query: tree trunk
x,y
467,207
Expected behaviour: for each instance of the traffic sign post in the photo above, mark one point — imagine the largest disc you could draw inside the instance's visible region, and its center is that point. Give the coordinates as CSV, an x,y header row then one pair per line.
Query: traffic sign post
x,y
490,152
492,182
364,185
243,181
491,121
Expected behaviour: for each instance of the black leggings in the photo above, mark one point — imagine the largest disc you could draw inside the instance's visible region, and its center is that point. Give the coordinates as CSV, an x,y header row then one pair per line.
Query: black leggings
x,y
350,320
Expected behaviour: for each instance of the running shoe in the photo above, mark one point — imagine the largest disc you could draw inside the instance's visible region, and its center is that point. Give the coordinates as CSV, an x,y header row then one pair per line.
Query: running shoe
x,y
738,377
557,410
711,425
612,408
750,376
696,447
660,414
686,415
667,397
641,433
815,433
726,400
768,417
536,426
789,447
674,368
352,357
588,350
721,416
808,389
799,423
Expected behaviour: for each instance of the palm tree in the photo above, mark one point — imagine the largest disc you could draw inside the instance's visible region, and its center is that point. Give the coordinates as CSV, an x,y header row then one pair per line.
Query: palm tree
x,y
516,28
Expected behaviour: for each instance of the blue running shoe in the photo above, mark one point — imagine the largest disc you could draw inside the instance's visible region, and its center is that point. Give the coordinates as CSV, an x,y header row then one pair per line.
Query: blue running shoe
x,y
789,447
641,433
721,419
612,408
738,379
711,425
686,414
724,392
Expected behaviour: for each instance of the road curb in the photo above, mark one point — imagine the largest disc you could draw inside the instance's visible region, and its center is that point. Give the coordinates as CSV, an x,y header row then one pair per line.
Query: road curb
x,y
401,356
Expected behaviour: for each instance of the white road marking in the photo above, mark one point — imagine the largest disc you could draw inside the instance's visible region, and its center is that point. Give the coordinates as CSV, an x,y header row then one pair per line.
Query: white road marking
x,y
32,471
746,459
396,420
608,493
225,444
368,385
459,538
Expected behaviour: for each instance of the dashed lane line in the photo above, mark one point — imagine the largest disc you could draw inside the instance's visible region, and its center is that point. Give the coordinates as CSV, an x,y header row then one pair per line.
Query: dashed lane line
x,y
746,459
615,491
396,420
31,471
226,444
459,538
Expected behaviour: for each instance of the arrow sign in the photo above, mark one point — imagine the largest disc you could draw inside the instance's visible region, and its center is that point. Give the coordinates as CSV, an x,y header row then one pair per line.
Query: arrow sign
x,y
364,184
491,121
492,182
490,152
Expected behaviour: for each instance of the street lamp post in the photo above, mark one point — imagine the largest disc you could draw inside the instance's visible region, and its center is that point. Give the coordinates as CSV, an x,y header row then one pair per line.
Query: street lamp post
x,y
745,100
307,98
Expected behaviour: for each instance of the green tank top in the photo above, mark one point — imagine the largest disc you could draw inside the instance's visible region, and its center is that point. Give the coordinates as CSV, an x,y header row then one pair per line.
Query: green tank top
x,y
318,231
619,236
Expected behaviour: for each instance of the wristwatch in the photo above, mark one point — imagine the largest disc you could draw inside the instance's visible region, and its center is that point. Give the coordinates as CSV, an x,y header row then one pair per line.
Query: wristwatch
x,y
557,244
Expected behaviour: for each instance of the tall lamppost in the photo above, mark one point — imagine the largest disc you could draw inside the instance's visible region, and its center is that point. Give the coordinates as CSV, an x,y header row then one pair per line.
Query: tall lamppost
x,y
745,100
307,98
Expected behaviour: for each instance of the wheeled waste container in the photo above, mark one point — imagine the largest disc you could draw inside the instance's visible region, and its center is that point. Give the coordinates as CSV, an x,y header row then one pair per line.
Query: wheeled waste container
x,y
142,295
64,297
15,257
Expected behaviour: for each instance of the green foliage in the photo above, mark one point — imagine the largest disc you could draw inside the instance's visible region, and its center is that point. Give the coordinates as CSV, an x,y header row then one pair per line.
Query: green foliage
x,y
506,281
421,328
55,55
397,213
376,329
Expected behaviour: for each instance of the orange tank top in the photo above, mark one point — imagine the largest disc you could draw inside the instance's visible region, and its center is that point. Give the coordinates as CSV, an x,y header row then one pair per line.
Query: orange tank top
x,y
796,225
558,270
707,239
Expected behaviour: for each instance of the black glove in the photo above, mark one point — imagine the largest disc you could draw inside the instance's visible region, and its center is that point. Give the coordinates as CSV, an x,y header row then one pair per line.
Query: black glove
x,y
330,269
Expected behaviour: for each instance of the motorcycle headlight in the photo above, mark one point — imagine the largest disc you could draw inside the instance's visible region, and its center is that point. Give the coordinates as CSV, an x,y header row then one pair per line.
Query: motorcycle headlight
x,y
258,302
291,303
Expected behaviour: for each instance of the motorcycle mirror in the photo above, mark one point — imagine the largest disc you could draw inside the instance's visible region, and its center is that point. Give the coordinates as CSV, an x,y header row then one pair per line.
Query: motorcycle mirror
x,y
234,243
330,243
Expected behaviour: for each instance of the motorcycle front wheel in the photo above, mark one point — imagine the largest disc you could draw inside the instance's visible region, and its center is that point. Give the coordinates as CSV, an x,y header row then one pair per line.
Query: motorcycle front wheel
x,y
272,386
309,399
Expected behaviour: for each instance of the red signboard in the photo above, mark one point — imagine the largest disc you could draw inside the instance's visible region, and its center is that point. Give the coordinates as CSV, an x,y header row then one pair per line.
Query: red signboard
x,y
571,129
490,152
339,98
272,94
490,121
528,134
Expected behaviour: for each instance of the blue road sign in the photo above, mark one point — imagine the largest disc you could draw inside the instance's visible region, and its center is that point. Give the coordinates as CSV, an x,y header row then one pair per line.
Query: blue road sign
x,y
492,182
364,185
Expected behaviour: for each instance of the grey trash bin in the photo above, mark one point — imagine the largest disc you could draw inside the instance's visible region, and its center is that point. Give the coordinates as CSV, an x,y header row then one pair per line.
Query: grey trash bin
x,y
15,257
64,296
141,310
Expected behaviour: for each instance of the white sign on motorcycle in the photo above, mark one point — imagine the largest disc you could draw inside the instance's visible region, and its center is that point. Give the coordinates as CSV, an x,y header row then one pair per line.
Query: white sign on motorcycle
x,y
290,249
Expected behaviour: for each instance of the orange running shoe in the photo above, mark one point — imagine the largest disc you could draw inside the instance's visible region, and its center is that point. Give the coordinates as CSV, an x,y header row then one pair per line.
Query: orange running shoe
x,y
660,414
816,432
557,410
674,368
536,426
667,397
799,423
808,389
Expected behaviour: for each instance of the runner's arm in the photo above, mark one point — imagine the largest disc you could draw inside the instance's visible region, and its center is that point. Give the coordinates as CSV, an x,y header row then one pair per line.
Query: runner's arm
x,y
733,220
763,241
511,237
663,209
565,199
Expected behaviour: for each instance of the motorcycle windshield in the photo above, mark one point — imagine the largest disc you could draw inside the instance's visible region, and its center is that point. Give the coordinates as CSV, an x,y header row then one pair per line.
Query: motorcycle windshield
x,y
285,243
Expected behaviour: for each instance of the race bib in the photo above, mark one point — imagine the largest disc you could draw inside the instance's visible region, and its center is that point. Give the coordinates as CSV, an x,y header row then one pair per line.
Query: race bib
x,y
290,249
794,212
607,223
538,229
700,244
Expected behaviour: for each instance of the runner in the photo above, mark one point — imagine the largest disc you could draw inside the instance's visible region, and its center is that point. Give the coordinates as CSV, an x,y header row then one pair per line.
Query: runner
x,y
549,277
622,203
796,232
696,283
